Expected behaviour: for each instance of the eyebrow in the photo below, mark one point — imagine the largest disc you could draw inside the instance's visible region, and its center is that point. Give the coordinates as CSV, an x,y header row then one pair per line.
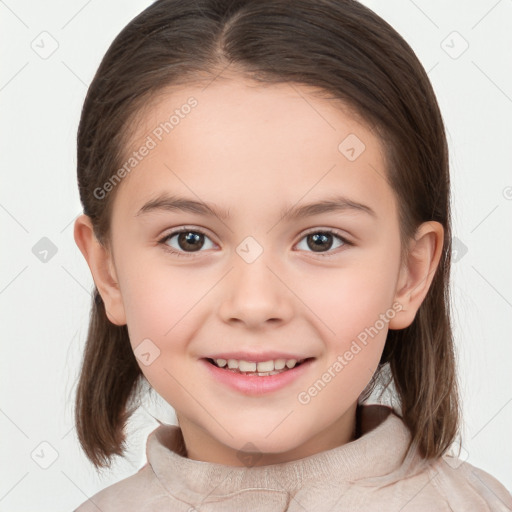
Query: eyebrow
x,y
176,203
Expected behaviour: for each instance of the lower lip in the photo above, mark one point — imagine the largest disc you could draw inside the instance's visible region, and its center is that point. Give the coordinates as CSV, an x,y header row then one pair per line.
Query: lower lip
x,y
254,384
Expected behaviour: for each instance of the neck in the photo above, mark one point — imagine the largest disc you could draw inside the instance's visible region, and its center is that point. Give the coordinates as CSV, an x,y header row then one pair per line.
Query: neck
x,y
199,444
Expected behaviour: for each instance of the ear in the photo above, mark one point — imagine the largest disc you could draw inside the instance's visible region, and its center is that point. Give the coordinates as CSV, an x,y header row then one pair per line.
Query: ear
x,y
417,272
102,268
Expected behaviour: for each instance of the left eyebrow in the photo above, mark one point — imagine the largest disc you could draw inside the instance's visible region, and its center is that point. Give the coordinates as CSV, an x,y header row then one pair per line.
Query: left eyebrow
x,y
333,204
177,203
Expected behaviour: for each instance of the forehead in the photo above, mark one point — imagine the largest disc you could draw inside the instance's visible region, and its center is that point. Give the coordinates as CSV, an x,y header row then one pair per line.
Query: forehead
x,y
240,144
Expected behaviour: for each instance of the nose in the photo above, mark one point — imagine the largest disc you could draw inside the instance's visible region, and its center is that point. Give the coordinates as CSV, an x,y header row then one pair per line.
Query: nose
x,y
254,294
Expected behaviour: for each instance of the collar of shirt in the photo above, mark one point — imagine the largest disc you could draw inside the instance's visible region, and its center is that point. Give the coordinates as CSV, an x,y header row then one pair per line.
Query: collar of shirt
x,y
377,458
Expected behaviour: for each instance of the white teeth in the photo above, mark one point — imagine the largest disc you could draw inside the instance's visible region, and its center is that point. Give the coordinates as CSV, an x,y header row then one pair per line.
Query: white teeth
x,y
279,364
246,366
267,366
263,367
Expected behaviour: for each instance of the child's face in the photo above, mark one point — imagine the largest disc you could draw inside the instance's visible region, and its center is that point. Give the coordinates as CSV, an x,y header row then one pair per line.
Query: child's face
x,y
255,151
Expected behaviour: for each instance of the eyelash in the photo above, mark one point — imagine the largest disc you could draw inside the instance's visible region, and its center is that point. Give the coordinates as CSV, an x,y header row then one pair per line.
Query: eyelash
x,y
198,231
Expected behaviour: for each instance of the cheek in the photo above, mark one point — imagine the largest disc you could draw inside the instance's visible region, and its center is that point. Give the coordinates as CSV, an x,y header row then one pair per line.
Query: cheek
x,y
161,308
345,301
158,301
353,318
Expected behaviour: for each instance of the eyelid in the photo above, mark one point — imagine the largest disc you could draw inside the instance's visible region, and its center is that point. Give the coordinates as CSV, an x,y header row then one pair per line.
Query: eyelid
x,y
182,229
331,231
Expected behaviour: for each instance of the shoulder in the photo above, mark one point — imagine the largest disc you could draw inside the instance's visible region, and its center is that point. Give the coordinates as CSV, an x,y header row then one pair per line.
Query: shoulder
x,y
466,487
413,484
141,491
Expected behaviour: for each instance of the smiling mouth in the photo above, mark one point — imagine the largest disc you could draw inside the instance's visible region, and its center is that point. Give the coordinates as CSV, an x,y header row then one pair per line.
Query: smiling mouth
x,y
256,373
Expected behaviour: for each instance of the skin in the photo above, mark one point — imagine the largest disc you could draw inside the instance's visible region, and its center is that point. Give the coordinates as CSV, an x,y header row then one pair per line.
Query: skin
x,y
254,150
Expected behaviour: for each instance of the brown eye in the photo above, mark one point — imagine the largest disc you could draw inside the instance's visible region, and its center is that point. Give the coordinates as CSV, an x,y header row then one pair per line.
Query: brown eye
x,y
322,241
319,241
185,241
190,241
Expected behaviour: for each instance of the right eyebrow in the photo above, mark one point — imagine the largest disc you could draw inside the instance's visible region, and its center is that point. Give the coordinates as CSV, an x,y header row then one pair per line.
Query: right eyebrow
x,y
176,203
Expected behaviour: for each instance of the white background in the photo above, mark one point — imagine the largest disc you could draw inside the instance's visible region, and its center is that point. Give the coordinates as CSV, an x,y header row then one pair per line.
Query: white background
x,y
44,307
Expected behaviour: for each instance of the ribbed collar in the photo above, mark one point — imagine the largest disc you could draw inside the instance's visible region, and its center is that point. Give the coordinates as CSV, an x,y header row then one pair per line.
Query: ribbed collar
x,y
373,459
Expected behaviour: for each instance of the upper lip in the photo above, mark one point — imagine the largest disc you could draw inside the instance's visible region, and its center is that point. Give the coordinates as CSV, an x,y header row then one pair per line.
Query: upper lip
x,y
257,357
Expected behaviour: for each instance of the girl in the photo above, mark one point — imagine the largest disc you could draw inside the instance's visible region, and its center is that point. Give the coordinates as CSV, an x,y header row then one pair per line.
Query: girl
x,y
299,146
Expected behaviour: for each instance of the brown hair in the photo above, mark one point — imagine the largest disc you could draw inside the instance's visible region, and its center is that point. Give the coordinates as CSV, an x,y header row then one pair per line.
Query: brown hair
x,y
337,46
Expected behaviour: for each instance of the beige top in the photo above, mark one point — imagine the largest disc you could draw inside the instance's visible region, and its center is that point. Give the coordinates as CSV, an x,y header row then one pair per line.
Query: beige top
x,y
367,474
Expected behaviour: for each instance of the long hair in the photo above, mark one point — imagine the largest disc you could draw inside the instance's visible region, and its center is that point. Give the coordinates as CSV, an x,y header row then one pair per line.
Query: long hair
x,y
337,46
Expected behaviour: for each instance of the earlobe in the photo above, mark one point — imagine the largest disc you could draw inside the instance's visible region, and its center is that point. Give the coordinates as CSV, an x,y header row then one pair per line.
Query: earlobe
x,y
418,272
102,268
